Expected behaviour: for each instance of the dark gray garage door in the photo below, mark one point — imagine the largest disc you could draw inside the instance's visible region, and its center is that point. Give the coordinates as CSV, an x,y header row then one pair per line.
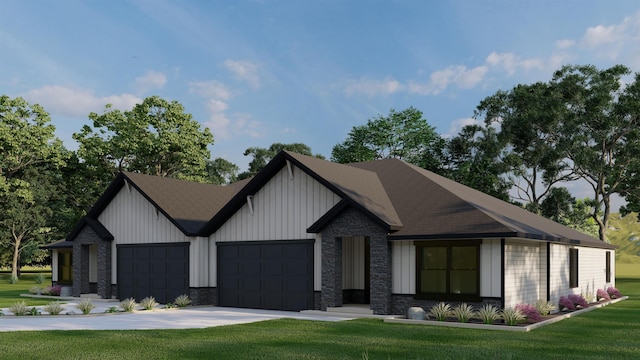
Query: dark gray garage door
x,y
158,270
275,275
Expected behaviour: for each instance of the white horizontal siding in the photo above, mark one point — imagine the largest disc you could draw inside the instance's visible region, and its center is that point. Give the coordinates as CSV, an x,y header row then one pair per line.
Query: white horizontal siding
x,y
283,209
353,263
131,219
403,267
490,268
521,273
559,272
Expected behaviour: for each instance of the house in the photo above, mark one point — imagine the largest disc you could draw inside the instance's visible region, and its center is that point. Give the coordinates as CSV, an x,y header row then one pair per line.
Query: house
x,y
306,233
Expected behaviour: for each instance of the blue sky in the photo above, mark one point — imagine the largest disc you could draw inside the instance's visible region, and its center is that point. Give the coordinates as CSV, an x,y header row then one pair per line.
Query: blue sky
x,y
259,72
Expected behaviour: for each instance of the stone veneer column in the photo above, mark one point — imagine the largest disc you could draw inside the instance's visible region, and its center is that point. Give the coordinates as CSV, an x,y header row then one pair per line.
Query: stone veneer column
x,y
81,249
104,270
354,223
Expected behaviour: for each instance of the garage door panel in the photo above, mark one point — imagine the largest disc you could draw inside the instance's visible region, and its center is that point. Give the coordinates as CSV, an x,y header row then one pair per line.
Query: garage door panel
x,y
267,275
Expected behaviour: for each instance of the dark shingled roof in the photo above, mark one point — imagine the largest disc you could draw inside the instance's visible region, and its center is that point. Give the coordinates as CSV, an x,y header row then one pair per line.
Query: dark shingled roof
x,y
60,244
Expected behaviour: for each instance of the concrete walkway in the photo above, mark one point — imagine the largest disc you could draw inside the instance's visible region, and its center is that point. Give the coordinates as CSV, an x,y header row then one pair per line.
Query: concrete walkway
x,y
184,318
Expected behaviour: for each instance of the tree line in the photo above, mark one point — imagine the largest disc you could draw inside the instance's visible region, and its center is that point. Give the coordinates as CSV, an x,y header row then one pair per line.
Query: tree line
x,y
529,141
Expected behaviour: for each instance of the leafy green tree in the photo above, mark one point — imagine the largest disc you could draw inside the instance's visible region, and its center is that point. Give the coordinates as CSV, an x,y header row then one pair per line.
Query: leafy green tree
x,y
261,156
561,207
402,135
474,159
30,159
156,137
221,171
601,123
528,117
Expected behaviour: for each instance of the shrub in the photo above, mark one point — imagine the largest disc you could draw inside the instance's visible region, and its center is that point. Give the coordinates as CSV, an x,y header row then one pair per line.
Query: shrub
x,y
602,294
182,300
463,312
13,279
39,278
86,305
35,289
488,314
565,304
148,303
440,311
128,305
111,309
54,290
614,293
578,301
530,312
34,311
512,316
53,308
19,308
1,313
544,307
588,297
169,306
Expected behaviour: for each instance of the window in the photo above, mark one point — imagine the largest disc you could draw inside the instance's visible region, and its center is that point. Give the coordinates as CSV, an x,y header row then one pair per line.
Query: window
x,y
608,266
573,268
448,270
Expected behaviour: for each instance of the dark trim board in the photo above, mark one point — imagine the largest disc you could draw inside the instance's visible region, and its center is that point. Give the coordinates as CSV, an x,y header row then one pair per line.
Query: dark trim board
x,y
274,275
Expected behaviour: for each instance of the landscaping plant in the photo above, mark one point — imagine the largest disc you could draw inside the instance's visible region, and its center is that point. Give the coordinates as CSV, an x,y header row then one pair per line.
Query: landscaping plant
x,y
182,300
602,294
488,314
148,303
463,312
34,311
512,316
614,293
39,279
530,312
54,290
86,305
578,301
544,307
19,308
13,279
35,289
565,304
111,310
128,305
53,308
440,311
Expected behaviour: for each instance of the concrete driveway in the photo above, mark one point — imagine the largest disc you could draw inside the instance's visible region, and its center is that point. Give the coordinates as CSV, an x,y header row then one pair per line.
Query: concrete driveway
x,y
185,318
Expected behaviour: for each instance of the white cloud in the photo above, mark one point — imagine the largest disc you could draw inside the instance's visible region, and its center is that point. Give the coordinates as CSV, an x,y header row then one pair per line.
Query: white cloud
x,y
372,87
245,71
440,80
210,89
457,125
67,101
600,35
150,81
564,44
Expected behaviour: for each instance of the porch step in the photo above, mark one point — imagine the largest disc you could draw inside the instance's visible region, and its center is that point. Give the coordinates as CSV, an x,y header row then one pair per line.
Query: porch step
x,y
90,296
351,309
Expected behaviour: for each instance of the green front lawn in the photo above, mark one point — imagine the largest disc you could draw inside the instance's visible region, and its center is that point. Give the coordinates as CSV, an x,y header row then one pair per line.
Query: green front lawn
x,y
611,332
10,293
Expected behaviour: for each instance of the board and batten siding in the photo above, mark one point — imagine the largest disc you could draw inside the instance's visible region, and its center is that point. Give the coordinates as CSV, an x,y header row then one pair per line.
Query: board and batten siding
x,y
403,262
522,273
283,209
353,263
591,271
132,219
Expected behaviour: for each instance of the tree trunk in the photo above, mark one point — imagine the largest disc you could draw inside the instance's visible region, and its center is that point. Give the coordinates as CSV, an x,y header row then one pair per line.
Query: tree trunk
x,y
16,256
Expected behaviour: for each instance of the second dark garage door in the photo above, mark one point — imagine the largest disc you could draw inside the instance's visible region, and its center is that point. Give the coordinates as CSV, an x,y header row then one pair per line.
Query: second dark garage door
x,y
158,270
275,275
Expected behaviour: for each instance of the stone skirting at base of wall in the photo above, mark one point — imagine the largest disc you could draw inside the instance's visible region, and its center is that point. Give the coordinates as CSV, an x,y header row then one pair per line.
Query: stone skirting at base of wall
x,y
317,300
203,296
402,302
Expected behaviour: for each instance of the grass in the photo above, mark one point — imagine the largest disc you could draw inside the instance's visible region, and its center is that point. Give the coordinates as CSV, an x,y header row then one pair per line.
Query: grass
x,y
10,293
609,332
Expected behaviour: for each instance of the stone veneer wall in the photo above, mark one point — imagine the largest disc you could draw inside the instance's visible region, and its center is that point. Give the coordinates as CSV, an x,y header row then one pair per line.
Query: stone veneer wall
x,y
204,296
81,244
402,303
354,223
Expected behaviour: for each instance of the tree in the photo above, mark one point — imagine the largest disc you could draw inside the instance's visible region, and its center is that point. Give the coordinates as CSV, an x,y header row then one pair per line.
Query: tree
x,y
156,137
561,207
601,123
30,158
402,135
528,117
474,160
221,171
261,156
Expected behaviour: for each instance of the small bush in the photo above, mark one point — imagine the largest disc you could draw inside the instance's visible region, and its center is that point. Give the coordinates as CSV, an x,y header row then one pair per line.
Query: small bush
x,y
488,314
578,301
182,300
1,313
128,305
170,306
86,305
440,311
35,289
34,311
148,303
54,290
13,279
544,308
530,312
565,304
19,308
111,309
588,297
53,308
463,312
39,278
602,294
614,293
512,316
